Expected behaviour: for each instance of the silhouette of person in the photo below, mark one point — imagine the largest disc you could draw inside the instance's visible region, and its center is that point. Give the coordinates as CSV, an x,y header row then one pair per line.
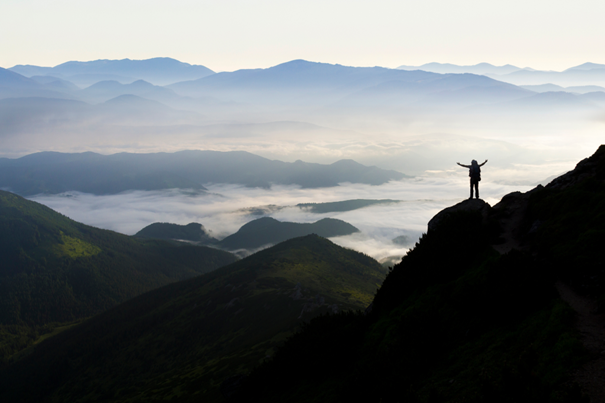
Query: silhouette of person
x,y
474,171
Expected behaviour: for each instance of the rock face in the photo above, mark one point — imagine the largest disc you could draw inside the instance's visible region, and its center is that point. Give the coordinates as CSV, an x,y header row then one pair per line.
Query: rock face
x,y
466,205
592,167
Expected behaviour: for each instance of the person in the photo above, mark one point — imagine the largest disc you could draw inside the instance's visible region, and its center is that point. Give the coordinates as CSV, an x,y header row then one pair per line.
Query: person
x,y
474,171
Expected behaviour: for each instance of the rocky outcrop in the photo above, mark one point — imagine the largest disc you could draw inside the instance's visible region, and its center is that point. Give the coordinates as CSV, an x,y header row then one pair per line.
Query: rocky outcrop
x,y
466,206
593,166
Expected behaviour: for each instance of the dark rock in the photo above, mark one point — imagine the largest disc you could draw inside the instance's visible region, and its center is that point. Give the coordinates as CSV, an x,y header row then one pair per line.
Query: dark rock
x,y
232,384
466,206
593,166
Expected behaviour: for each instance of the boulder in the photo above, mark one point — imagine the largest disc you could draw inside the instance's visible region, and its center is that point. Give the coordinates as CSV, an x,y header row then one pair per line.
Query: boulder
x,y
466,206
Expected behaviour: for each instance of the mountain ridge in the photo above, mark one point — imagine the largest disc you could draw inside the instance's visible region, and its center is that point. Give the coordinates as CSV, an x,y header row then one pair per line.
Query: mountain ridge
x,y
109,174
161,70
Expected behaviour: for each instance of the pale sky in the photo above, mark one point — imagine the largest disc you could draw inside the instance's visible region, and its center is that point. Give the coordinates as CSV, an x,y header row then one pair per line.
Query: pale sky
x,y
226,35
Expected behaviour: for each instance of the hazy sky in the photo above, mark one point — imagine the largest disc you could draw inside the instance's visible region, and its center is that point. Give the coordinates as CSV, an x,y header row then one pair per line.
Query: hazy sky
x,y
234,34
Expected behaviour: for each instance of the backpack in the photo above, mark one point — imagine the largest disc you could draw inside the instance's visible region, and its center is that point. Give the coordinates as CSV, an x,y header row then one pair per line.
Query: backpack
x,y
475,172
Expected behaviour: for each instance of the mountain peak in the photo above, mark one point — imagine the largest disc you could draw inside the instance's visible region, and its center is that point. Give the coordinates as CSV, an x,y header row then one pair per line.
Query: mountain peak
x,y
587,66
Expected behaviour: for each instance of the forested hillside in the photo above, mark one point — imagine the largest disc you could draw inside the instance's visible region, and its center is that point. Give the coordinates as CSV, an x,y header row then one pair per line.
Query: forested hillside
x,y
184,340
55,270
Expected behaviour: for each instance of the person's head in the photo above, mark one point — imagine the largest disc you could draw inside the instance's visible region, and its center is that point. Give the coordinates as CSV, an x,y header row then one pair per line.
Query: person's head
x,y
474,163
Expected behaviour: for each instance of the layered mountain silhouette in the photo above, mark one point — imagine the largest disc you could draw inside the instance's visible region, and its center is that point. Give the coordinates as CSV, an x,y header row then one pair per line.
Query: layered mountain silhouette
x,y
14,85
188,337
267,230
159,70
51,172
480,68
56,270
105,90
298,82
345,205
579,89
584,74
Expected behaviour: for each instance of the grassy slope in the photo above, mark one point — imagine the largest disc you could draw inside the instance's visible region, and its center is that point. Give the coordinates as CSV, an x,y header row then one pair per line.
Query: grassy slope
x,y
457,322
184,339
56,270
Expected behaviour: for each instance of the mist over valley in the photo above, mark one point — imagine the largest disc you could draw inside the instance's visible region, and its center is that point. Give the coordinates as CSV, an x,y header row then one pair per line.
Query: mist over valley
x,y
174,232
401,130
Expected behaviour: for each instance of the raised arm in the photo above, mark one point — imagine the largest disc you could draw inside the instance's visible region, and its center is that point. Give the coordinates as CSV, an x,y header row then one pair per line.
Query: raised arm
x,y
465,166
483,163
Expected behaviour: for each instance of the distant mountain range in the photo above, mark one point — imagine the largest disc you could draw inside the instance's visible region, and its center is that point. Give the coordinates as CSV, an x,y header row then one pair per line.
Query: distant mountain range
x,y
14,85
51,172
296,85
579,89
345,205
159,70
481,68
230,109
569,77
298,82
105,90
586,73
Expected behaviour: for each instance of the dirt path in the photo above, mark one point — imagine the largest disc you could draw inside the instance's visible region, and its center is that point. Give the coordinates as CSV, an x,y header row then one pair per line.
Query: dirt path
x,y
591,325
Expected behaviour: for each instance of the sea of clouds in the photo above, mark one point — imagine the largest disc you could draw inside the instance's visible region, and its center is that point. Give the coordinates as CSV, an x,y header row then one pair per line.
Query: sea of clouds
x,y
225,208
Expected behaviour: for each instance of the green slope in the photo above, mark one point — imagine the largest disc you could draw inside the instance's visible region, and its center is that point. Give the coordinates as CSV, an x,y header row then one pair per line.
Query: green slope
x,y
56,270
458,321
183,340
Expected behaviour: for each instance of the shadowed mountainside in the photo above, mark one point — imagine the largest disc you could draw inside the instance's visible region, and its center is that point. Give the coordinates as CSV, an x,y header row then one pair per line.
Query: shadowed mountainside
x,y
183,340
51,172
56,270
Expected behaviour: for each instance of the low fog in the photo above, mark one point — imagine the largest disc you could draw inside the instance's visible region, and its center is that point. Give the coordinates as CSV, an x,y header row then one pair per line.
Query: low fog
x,y
416,122
228,207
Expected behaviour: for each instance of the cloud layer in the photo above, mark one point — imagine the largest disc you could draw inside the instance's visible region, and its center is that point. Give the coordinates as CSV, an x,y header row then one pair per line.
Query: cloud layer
x,y
228,207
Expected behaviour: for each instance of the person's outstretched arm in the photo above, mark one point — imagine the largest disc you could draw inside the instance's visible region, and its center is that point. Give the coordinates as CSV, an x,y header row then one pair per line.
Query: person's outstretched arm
x,y
483,163
465,166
